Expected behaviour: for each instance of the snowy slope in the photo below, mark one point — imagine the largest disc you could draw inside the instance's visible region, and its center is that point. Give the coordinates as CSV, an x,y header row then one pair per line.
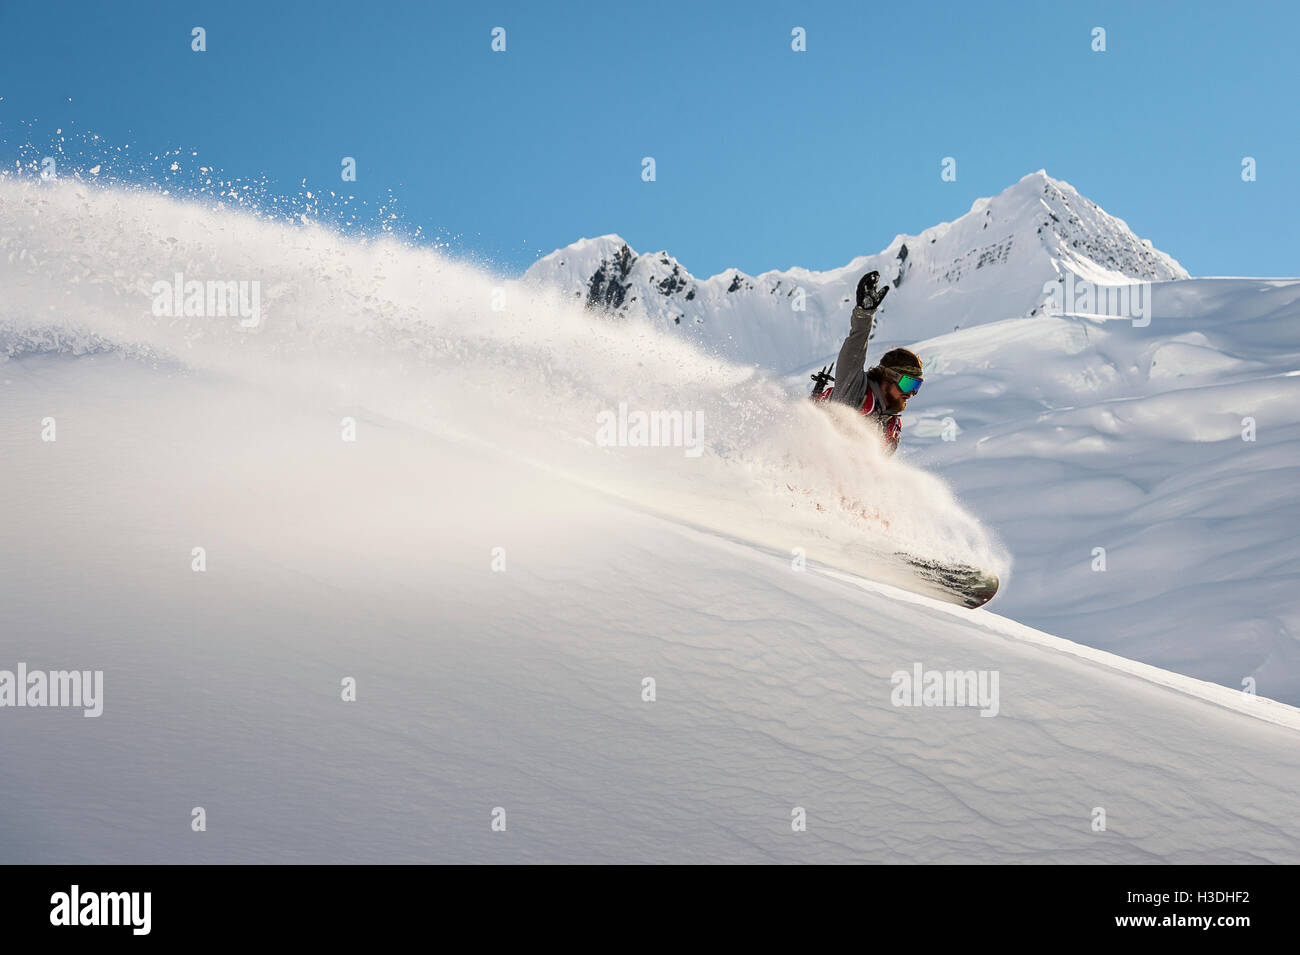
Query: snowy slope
x,y
1073,433
518,688
989,264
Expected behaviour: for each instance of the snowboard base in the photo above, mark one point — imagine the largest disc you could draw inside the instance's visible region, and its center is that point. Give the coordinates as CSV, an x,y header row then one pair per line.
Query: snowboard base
x,y
956,583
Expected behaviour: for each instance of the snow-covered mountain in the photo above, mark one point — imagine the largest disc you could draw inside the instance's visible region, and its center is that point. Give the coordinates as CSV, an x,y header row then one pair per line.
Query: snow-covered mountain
x,y
990,264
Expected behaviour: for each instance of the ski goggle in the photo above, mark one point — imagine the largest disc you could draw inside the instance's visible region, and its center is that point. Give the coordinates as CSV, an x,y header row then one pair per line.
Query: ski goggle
x,y
907,384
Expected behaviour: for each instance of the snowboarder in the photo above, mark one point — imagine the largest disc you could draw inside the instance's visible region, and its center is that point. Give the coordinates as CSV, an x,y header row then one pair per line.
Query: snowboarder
x,y
882,391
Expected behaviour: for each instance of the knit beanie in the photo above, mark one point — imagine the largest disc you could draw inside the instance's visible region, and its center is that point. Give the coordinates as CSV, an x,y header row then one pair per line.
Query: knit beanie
x,y
902,361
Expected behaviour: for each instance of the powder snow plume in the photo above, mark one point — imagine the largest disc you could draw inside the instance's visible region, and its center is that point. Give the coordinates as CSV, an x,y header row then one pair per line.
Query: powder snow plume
x,y
403,336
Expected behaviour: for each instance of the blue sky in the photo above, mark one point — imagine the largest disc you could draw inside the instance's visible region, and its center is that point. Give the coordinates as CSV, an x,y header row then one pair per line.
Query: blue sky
x,y
766,158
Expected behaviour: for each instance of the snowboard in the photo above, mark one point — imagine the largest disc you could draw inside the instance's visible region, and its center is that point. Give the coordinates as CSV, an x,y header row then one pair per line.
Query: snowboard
x,y
961,584
956,583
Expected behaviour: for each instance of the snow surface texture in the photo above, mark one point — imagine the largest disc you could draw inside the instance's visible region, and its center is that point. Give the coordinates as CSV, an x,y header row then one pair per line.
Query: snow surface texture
x,y
1075,433
991,263
523,688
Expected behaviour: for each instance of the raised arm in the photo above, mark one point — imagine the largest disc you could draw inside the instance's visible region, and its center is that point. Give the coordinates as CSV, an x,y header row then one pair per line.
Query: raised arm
x,y
853,353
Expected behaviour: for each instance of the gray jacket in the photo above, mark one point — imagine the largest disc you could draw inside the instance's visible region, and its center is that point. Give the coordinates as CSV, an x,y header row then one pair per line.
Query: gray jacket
x,y
853,388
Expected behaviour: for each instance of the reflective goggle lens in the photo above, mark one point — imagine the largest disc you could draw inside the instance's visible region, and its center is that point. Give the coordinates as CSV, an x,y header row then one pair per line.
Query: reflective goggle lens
x,y
909,385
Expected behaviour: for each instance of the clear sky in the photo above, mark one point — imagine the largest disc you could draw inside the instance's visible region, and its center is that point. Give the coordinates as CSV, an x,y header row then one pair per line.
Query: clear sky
x,y
765,158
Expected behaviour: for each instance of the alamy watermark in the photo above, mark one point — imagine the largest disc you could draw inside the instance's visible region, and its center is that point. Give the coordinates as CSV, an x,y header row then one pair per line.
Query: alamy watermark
x,y
83,688
75,907
213,298
921,687
1076,296
650,429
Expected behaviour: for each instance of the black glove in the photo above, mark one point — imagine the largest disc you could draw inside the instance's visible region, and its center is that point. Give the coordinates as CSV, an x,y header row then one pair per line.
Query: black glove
x,y
870,297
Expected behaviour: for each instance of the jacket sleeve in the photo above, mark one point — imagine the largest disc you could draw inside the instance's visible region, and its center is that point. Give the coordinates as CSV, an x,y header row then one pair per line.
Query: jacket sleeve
x,y
853,353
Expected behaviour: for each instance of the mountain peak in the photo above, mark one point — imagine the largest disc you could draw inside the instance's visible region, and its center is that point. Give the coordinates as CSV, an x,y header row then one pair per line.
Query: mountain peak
x,y
602,245
990,264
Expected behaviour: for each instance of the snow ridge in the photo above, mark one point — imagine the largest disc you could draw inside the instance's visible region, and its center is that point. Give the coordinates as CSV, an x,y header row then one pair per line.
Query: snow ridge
x,y
992,263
